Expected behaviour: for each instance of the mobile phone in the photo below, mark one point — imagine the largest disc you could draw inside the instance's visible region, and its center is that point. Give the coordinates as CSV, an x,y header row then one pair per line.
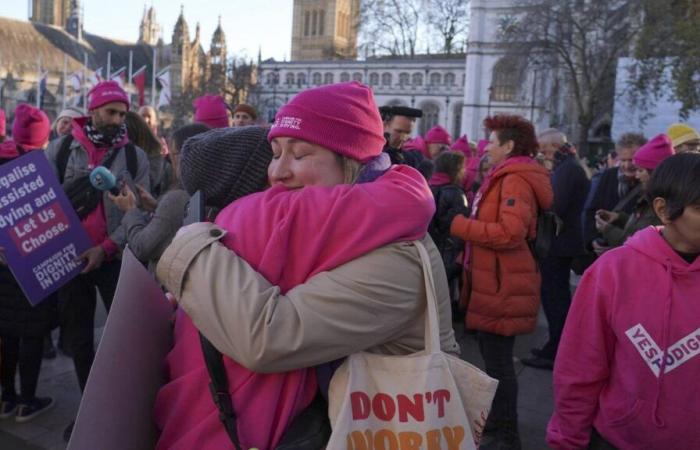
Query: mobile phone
x,y
126,179
195,209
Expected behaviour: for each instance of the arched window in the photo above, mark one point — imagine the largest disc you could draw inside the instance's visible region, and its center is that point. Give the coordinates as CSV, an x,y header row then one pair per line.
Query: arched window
x,y
449,79
314,23
417,79
386,79
301,79
373,79
505,80
328,78
435,79
321,22
357,76
344,77
270,78
431,115
307,19
316,78
457,118
404,79
289,78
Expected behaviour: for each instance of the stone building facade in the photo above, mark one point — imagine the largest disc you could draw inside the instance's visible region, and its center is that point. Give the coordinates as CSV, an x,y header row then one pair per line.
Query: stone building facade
x,y
324,29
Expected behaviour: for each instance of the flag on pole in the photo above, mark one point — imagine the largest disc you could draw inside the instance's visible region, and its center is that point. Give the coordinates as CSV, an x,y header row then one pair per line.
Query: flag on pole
x,y
139,80
95,77
42,88
76,83
119,76
164,80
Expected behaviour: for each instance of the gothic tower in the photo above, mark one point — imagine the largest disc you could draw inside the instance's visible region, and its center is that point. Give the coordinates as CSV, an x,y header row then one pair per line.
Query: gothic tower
x,y
74,24
324,29
51,12
217,59
180,55
149,30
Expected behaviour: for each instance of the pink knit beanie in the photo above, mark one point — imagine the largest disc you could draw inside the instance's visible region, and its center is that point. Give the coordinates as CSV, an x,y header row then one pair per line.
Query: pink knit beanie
x,y
31,127
3,126
462,145
341,117
106,92
211,110
481,147
654,152
438,135
417,143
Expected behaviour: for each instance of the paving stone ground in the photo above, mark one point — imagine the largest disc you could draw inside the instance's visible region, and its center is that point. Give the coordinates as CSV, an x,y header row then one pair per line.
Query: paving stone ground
x,y
58,379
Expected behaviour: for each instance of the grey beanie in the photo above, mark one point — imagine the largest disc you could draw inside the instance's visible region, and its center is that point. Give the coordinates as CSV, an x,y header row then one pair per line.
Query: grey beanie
x,y
226,163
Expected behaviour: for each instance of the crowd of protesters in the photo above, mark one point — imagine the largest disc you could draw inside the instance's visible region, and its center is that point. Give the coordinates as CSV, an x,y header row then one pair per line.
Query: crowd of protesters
x,y
304,257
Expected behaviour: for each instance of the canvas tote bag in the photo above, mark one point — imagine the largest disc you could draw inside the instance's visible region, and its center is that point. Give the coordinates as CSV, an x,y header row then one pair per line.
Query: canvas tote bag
x,y
426,400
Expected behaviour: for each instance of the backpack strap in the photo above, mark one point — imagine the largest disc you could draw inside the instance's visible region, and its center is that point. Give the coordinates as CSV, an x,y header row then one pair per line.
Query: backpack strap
x,y
62,157
218,387
132,162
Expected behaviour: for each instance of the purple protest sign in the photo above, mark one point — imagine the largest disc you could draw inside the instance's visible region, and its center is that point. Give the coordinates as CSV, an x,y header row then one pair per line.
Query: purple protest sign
x,y
39,229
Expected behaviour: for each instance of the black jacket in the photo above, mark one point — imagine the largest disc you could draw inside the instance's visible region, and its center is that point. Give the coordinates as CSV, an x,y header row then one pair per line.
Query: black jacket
x,y
448,199
570,186
17,316
606,197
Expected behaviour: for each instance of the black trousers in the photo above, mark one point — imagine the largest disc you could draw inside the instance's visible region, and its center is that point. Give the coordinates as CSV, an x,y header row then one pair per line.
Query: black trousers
x,y
77,303
497,352
556,299
26,353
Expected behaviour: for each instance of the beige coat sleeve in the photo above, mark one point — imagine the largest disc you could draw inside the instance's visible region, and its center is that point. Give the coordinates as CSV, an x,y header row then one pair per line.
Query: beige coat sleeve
x,y
374,303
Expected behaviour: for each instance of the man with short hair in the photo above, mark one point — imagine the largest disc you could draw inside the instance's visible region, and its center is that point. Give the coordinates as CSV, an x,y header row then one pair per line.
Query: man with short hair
x,y
99,139
398,127
684,138
244,115
570,186
616,190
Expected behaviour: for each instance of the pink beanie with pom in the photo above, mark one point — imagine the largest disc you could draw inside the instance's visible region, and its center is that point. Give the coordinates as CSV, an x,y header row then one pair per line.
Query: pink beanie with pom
x,y
107,92
31,127
462,145
654,152
341,117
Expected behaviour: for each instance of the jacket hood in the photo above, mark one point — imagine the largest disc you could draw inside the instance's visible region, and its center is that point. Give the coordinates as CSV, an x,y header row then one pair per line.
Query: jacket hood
x,y
652,244
535,175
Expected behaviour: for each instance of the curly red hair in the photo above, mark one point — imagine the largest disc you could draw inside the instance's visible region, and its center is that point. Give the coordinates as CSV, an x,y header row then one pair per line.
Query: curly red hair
x,y
511,127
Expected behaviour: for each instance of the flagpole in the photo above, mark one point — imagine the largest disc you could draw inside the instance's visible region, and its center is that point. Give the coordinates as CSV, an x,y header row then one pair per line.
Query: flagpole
x,y
109,66
83,82
65,78
131,73
38,82
153,79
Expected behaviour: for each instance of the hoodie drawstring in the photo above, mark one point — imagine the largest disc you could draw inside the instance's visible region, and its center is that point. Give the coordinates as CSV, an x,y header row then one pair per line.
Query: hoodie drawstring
x,y
658,421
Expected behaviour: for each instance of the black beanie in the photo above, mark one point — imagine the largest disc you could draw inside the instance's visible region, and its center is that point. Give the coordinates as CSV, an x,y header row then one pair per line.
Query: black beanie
x,y
226,163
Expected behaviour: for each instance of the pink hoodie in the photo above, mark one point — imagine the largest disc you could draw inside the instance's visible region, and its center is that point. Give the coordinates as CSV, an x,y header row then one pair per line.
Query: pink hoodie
x,y
635,307
288,236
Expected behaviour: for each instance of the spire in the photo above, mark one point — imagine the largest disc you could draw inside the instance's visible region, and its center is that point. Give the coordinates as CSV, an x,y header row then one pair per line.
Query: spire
x,y
196,32
259,55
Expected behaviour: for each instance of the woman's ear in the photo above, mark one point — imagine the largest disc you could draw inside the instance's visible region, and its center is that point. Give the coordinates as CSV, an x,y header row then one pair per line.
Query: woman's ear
x,y
661,210
510,145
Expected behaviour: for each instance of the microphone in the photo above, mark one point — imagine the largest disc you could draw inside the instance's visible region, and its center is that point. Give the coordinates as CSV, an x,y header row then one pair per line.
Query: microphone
x,y
104,180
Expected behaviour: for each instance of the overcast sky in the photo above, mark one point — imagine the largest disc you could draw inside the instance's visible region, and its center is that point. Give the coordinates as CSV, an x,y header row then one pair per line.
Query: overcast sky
x,y
248,24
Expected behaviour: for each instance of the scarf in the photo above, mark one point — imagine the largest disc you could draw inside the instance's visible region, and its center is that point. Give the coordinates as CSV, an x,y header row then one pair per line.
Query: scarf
x,y
563,153
101,140
439,179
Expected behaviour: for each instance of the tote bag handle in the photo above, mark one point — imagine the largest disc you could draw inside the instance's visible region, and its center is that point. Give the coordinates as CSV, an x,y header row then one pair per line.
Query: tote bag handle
x,y
432,324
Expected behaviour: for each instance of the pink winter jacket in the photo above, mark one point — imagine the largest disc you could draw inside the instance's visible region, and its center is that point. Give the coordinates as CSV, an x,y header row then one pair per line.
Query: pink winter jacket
x,y
287,236
629,358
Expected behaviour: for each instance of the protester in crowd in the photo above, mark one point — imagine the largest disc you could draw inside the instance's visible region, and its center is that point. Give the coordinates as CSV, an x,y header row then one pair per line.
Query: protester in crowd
x,y
616,190
98,139
150,229
211,110
627,363
617,227
64,121
417,150
684,138
438,140
2,126
570,186
446,185
160,170
150,115
398,127
353,298
23,328
502,282
470,168
244,115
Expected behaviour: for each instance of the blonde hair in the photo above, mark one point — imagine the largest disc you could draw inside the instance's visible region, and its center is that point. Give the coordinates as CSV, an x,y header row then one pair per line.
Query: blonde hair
x,y
350,167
